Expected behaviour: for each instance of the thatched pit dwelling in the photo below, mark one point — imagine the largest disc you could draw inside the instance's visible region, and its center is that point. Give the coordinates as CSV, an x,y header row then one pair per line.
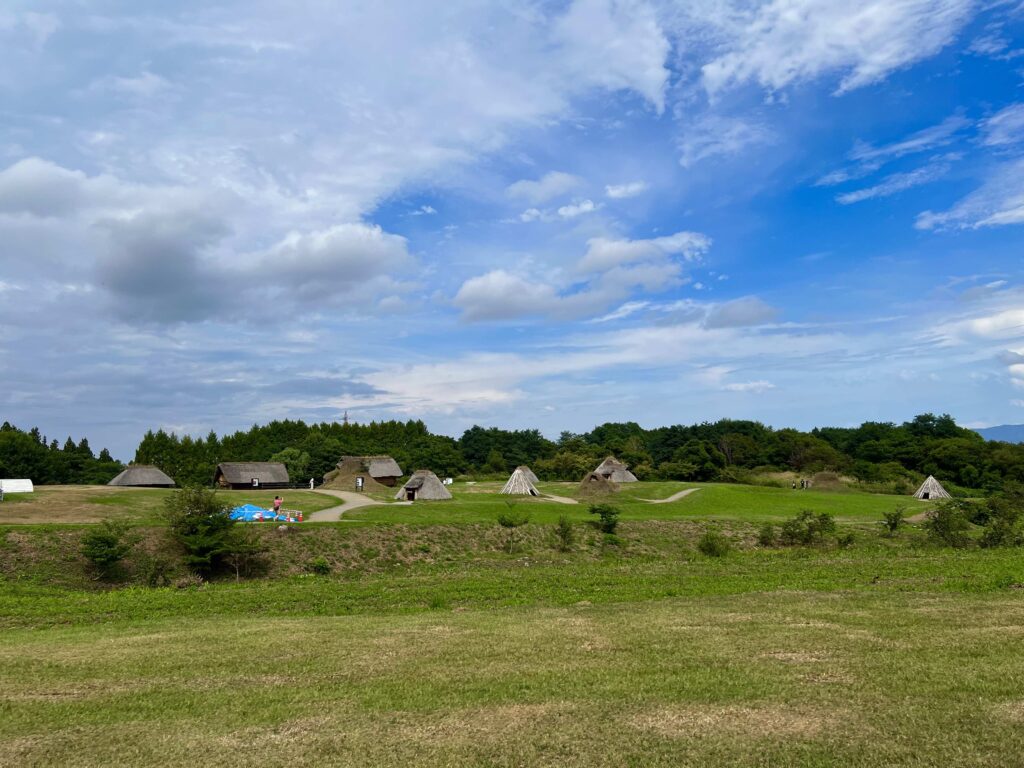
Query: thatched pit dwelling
x,y
378,472
594,484
931,489
615,471
142,476
245,475
424,485
519,484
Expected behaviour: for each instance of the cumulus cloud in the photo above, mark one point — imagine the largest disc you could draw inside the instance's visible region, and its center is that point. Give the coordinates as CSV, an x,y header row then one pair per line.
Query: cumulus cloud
x,y
577,209
783,42
604,253
998,202
622,191
740,313
549,186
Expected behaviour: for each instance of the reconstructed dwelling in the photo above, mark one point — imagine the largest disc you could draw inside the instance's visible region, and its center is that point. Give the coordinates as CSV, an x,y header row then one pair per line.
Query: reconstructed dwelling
x,y
423,486
142,476
519,484
614,471
251,474
931,489
375,470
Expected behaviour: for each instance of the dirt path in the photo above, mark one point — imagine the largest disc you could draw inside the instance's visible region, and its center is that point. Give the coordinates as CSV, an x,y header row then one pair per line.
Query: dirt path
x,y
559,499
673,497
352,501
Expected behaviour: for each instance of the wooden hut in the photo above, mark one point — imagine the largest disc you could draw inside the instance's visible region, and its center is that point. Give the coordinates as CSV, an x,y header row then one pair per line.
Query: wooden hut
x,y
519,484
614,471
377,472
142,476
931,489
243,475
424,485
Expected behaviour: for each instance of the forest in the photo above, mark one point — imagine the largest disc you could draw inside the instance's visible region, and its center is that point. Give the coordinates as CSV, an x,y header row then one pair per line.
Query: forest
x,y
881,456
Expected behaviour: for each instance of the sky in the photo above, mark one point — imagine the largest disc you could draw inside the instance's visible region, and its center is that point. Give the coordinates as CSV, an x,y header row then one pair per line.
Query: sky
x,y
525,215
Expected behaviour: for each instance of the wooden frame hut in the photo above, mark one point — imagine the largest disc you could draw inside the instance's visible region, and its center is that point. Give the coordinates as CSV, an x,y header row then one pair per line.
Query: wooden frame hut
x,y
246,475
519,484
931,489
614,471
529,474
424,485
142,476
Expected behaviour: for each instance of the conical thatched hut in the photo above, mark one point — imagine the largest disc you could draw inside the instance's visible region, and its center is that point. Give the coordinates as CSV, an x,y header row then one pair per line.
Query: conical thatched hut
x,y
615,471
529,473
519,484
931,489
378,472
423,486
142,476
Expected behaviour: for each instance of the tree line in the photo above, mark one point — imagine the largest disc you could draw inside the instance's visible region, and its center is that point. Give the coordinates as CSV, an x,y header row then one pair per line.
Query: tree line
x,y
881,455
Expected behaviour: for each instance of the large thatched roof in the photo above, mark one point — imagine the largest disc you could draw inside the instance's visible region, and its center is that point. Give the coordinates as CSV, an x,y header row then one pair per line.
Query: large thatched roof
x,y
382,466
424,485
931,489
242,472
614,470
142,476
519,484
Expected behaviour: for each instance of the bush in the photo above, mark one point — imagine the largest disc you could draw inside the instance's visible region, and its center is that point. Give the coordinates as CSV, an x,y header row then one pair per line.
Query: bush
x,y
319,566
608,517
808,528
155,571
766,535
846,539
199,522
565,534
947,523
1004,513
189,581
714,544
894,519
106,546
510,521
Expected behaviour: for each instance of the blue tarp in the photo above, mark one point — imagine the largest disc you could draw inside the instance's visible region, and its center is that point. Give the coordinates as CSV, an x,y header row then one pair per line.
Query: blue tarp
x,y
250,513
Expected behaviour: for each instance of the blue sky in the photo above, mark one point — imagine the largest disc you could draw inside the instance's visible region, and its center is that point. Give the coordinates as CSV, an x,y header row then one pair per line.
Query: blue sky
x,y
550,215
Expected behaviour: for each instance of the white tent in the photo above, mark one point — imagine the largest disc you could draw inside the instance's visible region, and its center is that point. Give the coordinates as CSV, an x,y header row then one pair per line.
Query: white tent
x,y
16,486
519,484
931,489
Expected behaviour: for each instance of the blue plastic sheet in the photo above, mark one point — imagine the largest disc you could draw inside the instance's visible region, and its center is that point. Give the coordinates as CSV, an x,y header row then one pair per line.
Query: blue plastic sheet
x,y
250,513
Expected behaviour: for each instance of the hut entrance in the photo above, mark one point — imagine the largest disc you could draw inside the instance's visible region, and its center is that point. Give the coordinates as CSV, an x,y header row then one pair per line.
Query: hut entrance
x,y
410,495
925,495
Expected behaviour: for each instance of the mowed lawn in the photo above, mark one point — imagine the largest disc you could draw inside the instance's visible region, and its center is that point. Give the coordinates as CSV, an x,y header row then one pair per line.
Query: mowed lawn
x,y
817,678
74,504
481,503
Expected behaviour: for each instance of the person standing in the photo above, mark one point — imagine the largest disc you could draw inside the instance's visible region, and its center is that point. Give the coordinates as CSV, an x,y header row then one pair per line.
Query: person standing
x,y
278,501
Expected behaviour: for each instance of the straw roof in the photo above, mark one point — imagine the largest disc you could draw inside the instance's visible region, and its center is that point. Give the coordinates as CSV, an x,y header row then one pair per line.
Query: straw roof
x,y
377,472
519,484
382,466
242,472
529,473
594,484
142,476
614,470
931,489
423,485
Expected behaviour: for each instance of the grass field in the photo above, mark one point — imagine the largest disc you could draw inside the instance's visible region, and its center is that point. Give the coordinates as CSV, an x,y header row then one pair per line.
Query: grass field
x,y
430,644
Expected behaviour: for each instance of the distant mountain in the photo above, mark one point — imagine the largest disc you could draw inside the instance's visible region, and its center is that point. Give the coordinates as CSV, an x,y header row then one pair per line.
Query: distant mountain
x,y
1007,433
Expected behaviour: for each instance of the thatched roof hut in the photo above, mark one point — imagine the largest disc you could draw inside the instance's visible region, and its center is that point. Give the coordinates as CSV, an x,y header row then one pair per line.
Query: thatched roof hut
x,y
142,476
615,471
377,472
931,489
529,473
594,484
519,484
424,485
251,474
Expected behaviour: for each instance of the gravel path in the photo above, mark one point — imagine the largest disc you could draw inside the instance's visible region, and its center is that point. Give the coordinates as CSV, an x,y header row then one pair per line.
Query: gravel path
x,y
352,501
673,497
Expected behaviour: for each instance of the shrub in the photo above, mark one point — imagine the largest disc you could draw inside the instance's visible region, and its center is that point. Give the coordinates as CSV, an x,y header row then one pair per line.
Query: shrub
x,y
807,528
766,535
947,523
714,544
243,550
608,517
155,571
510,521
319,566
894,519
106,546
1004,513
199,522
565,534
189,581
846,539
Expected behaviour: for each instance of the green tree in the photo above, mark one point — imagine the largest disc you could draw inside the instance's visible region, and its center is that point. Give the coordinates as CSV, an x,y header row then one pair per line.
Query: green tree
x,y
106,545
200,523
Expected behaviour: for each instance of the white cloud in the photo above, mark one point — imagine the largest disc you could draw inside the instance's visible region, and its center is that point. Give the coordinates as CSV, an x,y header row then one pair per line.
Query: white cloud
x,y
577,209
551,185
998,202
783,42
1018,403
530,214
897,182
1004,128
719,136
739,313
921,141
501,295
621,191
603,254
756,387
143,85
